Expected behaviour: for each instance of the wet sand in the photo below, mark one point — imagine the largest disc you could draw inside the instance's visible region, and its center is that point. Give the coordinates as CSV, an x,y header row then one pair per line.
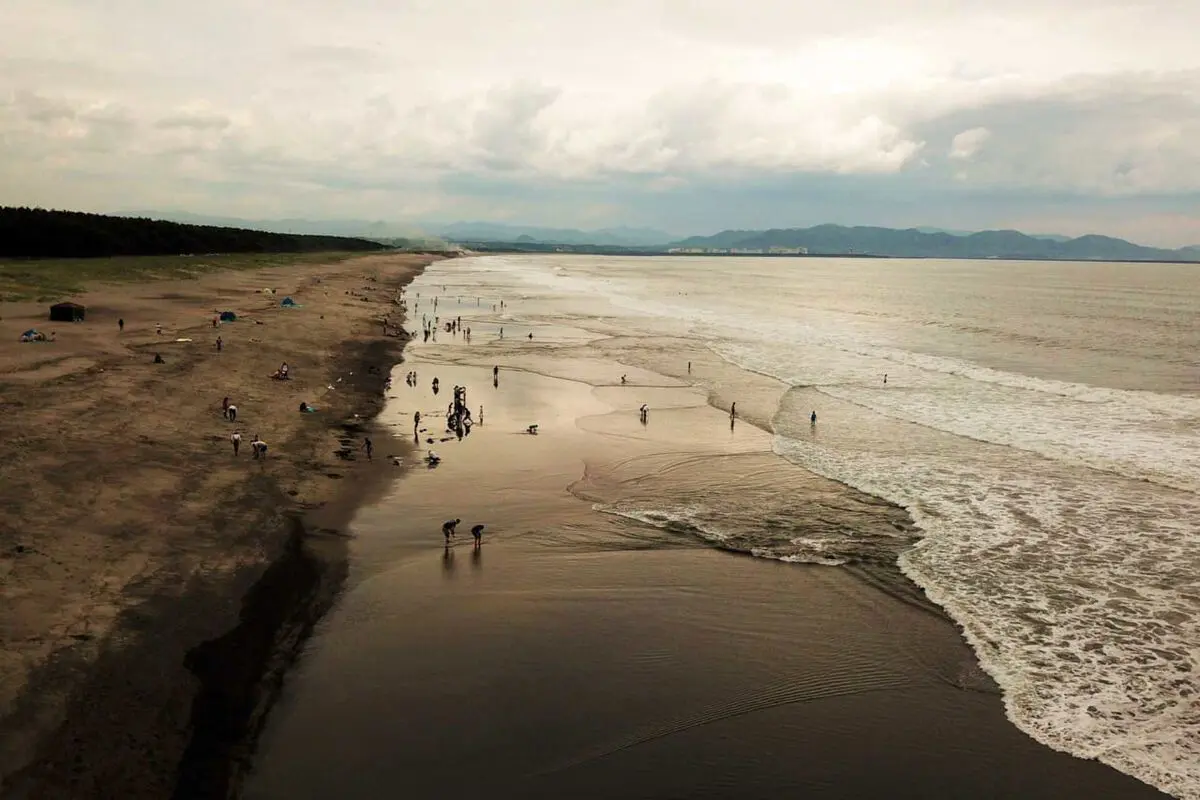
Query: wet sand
x,y
155,586
581,654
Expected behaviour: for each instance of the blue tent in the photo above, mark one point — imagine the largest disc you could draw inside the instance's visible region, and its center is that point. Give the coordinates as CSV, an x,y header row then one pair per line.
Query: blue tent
x,y
30,332
228,316
289,302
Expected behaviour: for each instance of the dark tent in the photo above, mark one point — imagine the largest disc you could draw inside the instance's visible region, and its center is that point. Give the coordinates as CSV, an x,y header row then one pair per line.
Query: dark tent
x,y
228,316
67,312
289,302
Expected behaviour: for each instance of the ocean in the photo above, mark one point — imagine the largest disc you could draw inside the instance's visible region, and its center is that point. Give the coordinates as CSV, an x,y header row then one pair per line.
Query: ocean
x,y
1039,421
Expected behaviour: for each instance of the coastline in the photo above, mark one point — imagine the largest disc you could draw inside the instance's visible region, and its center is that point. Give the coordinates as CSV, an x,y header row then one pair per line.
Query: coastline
x,y
584,654
166,687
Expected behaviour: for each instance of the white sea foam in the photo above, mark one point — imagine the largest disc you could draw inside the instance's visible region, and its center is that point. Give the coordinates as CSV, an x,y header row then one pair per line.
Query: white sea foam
x,y
708,524
1067,586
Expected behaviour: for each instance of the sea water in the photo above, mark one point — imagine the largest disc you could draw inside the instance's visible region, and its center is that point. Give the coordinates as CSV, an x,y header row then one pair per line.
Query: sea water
x,y
1040,422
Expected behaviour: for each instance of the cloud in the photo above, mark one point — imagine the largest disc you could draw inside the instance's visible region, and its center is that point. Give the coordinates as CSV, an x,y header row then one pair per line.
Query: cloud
x,y
195,120
1105,137
966,144
367,107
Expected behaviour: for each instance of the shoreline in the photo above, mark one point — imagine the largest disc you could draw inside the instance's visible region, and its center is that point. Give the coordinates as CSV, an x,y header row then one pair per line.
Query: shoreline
x,y
623,659
242,672
169,699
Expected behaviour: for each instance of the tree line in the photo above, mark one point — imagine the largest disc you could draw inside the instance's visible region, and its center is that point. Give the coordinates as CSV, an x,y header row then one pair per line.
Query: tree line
x,y
42,233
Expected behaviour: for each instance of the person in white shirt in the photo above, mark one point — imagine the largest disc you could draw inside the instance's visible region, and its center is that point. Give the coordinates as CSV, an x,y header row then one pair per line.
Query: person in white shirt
x,y
236,438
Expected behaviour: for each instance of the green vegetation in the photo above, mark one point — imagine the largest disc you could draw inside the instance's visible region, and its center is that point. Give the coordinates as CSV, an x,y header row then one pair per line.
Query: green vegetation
x,y
45,280
38,233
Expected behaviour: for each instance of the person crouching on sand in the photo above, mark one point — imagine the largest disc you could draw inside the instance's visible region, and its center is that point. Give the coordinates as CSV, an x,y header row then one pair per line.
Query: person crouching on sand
x,y
448,528
259,447
477,532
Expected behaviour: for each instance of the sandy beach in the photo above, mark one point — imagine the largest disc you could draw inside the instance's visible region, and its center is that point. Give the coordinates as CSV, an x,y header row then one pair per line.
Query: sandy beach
x,y
155,585
581,654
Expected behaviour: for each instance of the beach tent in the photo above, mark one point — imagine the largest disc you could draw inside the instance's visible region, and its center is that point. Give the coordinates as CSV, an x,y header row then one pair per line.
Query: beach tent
x,y
67,312
228,316
289,302
30,334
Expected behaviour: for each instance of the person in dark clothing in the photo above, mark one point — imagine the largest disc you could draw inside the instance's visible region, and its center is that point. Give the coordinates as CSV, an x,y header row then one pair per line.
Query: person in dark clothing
x,y
477,532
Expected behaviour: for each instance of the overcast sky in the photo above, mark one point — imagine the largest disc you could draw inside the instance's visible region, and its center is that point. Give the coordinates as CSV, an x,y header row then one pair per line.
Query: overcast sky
x,y
1050,116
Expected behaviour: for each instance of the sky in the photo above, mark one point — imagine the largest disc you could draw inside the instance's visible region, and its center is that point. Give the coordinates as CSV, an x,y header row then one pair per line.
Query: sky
x,y
692,116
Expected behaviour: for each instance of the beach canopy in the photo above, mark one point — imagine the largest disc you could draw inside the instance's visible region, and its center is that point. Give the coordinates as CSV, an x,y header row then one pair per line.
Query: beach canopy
x,y
30,333
287,301
67,312
228,316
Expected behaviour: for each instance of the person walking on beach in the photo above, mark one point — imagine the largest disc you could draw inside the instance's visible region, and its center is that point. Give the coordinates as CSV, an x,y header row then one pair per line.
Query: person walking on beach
x,y
645,412
448,528
477,532
689,368
121,325
813,419
225,408
370,448
733,409
495,373
220,344
236,438
416,421
885,377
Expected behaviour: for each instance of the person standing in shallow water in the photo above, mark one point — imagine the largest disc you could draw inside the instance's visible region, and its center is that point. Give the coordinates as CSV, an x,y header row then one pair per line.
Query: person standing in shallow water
x,y
370,448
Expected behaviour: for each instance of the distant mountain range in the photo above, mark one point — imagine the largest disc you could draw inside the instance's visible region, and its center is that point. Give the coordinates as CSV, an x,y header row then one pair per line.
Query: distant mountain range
x,y
912,243
925,242
494,232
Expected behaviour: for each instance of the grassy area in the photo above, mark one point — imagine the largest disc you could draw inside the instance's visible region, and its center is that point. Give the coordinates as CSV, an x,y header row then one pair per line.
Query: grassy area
x,y
52,279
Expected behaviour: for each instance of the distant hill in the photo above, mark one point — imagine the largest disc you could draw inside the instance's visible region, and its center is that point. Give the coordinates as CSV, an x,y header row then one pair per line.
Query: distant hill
x,y
943,230
912,243
495,232
41,233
